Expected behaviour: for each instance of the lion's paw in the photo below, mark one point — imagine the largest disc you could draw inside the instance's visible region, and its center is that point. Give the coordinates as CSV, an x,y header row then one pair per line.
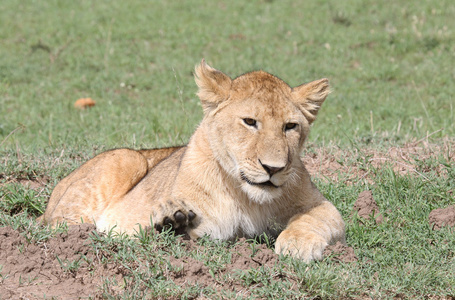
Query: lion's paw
x,y
172,215
306,246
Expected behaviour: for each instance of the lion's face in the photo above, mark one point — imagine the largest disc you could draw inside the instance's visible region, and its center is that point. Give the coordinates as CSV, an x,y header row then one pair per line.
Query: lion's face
x,y
257,135
256,127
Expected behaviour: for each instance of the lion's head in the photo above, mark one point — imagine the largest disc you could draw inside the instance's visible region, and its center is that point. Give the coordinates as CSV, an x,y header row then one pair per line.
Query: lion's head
x,y
256,126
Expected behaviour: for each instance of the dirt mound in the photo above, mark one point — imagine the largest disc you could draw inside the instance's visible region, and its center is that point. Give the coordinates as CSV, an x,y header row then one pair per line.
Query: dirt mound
x,y
70,266
366,206
244,257
442,217
31,271
340,252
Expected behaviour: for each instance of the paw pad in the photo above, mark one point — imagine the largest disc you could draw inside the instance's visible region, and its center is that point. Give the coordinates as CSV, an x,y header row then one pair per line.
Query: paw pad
x,y
179,220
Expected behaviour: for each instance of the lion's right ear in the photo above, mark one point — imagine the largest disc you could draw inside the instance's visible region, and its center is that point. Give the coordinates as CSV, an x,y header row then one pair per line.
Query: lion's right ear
x,y
213,86
310,97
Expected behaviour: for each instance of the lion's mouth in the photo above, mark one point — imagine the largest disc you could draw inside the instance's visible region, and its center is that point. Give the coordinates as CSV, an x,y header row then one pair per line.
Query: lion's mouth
x,y
265,183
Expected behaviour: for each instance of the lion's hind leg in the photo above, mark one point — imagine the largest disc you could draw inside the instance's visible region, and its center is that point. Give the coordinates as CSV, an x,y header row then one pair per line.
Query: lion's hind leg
x,y
82,196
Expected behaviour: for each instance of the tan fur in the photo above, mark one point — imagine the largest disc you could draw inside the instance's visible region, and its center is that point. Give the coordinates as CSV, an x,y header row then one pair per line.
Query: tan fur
x,y
240,174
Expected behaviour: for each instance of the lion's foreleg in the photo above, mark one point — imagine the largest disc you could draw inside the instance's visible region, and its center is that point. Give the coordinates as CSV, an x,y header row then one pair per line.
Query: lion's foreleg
x,y
308,233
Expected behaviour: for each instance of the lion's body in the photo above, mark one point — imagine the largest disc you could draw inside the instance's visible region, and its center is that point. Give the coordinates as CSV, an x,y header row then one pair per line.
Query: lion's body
x,y
240,174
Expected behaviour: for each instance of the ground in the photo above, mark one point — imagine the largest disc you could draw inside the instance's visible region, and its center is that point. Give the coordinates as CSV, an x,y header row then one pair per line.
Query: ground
x,y
35,270
80,263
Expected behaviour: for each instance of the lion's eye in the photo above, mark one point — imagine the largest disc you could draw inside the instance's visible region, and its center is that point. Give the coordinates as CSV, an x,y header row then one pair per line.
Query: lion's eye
x,y
249,121
290,126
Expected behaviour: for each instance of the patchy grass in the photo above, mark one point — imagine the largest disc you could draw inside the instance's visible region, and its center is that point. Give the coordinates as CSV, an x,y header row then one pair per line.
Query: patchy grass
x,y
400,257
390,65
387,127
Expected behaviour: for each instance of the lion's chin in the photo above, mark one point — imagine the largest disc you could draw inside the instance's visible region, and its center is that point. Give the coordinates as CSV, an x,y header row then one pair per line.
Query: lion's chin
x,y
262,194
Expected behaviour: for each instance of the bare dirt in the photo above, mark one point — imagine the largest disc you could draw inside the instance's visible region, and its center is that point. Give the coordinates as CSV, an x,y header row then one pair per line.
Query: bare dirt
x,y
353,166
366,207
341,253
442,217
47,270
194,271
32,271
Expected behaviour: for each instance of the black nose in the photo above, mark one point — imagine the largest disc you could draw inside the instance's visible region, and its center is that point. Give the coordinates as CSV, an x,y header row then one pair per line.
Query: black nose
x,y
271,170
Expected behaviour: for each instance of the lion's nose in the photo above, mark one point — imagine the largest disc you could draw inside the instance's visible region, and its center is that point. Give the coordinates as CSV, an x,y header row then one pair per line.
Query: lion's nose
x,y
270,169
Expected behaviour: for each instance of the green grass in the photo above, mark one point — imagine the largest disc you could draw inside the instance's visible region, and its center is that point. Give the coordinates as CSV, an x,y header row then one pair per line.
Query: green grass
x,y
401,256
390,64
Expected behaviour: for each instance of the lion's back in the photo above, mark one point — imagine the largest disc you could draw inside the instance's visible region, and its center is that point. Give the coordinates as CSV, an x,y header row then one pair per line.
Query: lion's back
x,y
102,180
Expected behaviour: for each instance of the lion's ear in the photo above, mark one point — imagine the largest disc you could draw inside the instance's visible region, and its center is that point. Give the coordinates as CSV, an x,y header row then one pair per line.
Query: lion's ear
x,y
310,96
213,86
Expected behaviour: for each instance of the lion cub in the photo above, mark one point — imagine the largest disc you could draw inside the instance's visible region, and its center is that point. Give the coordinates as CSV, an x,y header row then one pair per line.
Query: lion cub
x,y
239,176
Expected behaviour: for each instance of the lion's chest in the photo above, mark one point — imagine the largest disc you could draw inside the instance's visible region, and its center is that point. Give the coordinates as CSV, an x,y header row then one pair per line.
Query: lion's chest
x,y
227,222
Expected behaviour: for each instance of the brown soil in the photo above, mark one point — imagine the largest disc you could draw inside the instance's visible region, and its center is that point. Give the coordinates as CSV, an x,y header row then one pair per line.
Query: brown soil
x,y
352,166
442,217
194,271
38,270
366,206
340,252
32,271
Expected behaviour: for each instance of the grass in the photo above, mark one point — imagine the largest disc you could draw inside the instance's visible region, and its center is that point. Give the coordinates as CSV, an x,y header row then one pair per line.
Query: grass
x,y
390,65
400,257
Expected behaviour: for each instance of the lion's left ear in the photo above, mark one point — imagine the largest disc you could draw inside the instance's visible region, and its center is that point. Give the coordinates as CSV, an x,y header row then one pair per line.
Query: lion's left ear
x,y
214,86
310,96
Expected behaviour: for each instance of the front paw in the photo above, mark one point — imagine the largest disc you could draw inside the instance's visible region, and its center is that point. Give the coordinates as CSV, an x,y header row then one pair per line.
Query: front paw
x,y
174,217
306,246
